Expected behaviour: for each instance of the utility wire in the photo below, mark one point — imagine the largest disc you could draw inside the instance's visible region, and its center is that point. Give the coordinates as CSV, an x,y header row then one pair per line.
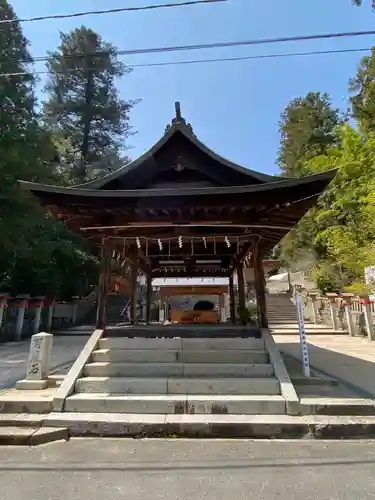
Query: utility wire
x,y
186,48
110,11
200,61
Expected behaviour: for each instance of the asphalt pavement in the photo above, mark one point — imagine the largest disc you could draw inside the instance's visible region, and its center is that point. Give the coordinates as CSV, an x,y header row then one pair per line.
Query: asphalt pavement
x,y
13,357
185,470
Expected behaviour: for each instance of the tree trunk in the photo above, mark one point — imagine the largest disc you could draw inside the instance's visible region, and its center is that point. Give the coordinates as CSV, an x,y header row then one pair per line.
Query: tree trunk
x,y
82,170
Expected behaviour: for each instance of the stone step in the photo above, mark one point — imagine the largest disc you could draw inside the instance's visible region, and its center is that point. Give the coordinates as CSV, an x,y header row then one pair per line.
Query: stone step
x,y
285,314
274,304
184,356
279,318
284,307
211,344
309,328
282,321
282,310
328,331
294,324
337,406
184,331
98,369
164,385
31,436
197,404
213,425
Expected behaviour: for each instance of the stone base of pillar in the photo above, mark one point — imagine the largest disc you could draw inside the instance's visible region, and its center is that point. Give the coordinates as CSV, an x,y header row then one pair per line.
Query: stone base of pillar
x,y
31,385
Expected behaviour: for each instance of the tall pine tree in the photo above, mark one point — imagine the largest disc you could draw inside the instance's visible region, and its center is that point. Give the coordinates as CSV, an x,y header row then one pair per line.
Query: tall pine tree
x,y
307,129
83,105
21,136
35,250
24,146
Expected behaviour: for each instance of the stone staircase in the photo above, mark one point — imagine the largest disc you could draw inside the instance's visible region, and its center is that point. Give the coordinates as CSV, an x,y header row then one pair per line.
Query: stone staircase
x,y
178,376
281,309
282,318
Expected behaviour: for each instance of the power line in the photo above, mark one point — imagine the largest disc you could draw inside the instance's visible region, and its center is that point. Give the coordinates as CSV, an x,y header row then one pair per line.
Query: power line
x,y
110,11
200,61
184,48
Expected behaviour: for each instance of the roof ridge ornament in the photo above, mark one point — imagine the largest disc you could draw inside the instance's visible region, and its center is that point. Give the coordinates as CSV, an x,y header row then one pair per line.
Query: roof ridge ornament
x,y
179,119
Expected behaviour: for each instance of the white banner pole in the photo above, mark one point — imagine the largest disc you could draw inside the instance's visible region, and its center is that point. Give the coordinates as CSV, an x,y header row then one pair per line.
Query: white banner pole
x,y
302,334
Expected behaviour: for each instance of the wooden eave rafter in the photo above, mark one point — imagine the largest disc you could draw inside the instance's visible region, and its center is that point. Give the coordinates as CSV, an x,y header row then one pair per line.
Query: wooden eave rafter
x,y
81,196
265,212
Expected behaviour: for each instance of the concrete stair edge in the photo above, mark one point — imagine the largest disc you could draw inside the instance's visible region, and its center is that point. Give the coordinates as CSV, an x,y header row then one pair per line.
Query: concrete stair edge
x,y
31,436
180,369
176,404
253,356
213,425
181,343
177,385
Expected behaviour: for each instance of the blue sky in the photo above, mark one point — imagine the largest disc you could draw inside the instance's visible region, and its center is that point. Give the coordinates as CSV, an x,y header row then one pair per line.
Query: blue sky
x,y
234,107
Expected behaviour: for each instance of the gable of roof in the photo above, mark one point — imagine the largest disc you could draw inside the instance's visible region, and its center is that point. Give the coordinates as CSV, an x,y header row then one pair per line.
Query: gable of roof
x,y
178,126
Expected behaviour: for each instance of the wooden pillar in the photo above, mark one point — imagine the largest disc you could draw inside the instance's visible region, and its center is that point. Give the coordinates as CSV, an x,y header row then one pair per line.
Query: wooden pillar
x,y
232,300
241,293
260,286
222,310
133,297
105,271
148,299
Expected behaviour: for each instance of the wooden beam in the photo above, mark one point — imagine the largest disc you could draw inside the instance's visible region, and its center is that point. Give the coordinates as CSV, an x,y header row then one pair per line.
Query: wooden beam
x,y
192,274
133,297
148,299
260,286
232,300
105,267
223,225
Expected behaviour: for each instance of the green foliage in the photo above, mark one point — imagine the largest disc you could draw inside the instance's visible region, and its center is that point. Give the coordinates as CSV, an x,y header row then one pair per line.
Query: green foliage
x,y
337,237
83,108
358,288
307,130
37,253
326,279
363,88
339,234
359,2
